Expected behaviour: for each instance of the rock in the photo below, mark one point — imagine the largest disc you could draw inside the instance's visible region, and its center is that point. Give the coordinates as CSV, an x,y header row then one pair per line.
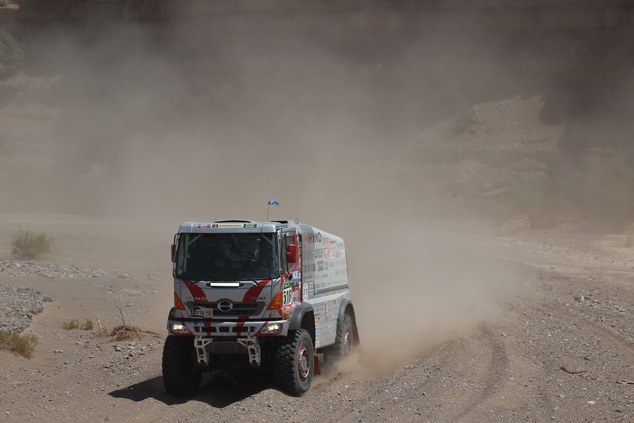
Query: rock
x,y
49,270
615,241
18,306
515,225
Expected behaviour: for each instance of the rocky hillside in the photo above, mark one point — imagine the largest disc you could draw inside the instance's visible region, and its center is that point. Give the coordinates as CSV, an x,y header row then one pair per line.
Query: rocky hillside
x,y
534,122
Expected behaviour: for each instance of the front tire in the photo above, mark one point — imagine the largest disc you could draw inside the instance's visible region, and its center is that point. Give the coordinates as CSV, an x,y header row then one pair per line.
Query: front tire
x,y
295,362
181,377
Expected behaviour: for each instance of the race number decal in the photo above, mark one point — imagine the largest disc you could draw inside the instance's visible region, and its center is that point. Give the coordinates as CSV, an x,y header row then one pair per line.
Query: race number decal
x,y
288,296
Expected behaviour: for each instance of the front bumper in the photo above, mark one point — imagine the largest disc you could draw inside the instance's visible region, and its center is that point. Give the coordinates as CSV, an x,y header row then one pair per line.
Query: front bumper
x,y
211,328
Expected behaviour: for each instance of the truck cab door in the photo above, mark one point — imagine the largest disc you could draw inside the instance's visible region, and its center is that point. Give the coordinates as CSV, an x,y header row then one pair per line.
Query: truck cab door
x,y
291,264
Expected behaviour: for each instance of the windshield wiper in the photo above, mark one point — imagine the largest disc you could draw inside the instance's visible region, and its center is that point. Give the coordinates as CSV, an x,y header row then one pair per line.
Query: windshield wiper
x,y
248,277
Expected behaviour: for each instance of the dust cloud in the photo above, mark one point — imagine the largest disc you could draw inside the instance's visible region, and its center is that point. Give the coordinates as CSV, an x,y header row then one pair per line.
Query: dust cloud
x,y
203,120
213,119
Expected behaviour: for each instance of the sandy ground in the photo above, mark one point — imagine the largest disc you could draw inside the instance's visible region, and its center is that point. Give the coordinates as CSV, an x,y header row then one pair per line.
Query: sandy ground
x,y
559,349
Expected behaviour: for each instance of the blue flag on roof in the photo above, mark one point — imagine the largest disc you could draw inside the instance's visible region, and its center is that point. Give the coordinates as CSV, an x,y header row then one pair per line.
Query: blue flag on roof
x,y
273,202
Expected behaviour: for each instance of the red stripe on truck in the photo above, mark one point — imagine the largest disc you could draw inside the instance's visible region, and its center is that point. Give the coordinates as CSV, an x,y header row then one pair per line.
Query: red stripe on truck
x,y
196,291
253,292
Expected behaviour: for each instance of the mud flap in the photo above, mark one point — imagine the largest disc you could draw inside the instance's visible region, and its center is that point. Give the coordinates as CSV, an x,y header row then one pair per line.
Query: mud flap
x,y
317,369
357,340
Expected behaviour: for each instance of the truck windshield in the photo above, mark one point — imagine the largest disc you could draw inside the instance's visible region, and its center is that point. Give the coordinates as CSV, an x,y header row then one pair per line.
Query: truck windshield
x,y
226,257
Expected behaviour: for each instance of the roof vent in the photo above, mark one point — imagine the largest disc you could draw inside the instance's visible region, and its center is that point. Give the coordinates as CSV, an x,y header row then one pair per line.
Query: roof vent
x,y
287,222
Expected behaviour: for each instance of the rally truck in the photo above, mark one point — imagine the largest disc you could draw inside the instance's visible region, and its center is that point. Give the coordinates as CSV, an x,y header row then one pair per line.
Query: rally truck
x,y
268,295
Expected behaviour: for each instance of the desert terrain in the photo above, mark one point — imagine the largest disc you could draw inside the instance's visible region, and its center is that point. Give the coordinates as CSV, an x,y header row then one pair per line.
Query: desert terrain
x,y
482,182
550,340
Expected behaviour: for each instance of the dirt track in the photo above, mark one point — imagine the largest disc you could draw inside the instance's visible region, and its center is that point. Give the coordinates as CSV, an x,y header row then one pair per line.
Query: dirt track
x,y
560,351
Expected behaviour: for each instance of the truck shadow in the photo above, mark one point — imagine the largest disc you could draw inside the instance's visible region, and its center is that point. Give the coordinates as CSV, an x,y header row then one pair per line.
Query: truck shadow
x,y
219,389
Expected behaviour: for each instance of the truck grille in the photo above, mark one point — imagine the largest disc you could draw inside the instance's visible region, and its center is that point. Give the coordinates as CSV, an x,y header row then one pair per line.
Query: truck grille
x,y
239,309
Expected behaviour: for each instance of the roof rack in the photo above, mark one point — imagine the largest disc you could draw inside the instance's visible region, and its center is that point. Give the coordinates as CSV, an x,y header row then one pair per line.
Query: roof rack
x,y
234,220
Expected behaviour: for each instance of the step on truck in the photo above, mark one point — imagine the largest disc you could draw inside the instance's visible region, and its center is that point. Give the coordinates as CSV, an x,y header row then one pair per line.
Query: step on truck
x,y
268,295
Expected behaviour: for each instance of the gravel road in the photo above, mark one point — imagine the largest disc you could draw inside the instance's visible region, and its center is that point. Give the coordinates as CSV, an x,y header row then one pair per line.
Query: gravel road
x,y
561,350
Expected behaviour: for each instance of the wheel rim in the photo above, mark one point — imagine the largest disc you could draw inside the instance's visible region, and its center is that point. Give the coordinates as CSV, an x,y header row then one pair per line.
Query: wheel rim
x,y
303,363
347,343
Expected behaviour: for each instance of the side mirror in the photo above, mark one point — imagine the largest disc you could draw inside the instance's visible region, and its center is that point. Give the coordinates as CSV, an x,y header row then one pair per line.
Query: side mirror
x,y
291,253
173,250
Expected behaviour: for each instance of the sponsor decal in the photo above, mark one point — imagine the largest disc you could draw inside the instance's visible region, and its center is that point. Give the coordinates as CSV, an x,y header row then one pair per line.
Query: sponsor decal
x,y
326,252
320,265
314,237
229,225
295,275
204,226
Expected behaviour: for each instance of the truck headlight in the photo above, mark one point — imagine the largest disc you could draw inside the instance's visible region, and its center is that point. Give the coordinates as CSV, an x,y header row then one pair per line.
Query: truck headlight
x,y
271,328
178,328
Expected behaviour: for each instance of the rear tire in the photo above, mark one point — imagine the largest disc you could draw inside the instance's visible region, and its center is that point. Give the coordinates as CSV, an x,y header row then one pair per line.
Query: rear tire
x,y
181,376
295,362
344,342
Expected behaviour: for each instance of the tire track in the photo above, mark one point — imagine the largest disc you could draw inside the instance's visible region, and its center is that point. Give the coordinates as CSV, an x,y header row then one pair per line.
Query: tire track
x,y
496,370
